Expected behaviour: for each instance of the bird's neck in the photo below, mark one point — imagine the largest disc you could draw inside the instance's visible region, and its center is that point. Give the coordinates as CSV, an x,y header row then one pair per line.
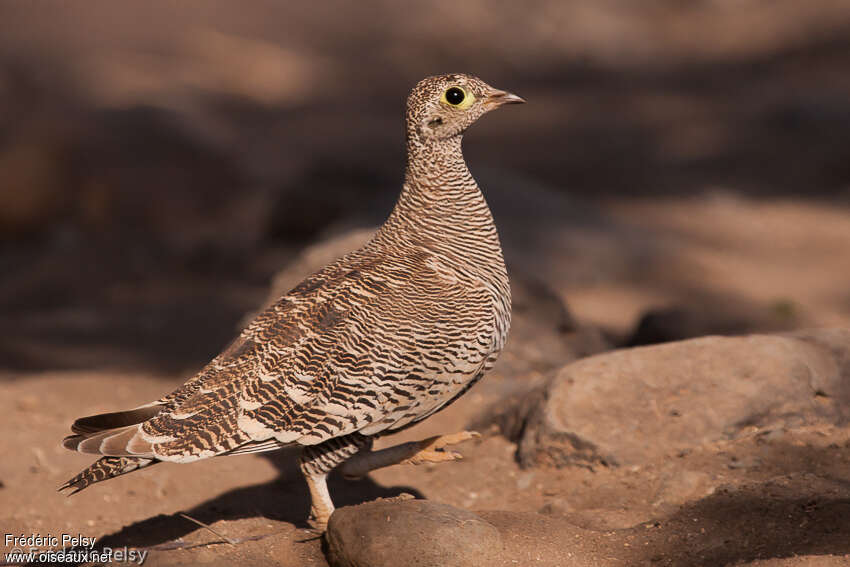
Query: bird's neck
x,y
442,208
439,192
434,164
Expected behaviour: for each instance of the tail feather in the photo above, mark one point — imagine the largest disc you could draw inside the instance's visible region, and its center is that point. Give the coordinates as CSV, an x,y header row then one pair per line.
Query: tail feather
x,y
104,469
122,442
114,420
113,434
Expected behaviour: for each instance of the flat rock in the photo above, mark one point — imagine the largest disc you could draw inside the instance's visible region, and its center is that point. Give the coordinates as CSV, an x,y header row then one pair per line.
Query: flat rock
x,y
635,405
411,533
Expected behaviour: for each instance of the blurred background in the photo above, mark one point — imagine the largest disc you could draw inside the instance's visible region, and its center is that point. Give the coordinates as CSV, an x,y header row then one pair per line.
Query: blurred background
x,y
682,167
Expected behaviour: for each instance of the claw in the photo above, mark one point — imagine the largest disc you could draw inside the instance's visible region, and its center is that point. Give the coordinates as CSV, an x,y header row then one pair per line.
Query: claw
x,y
432,448
452,439
318,524
313,533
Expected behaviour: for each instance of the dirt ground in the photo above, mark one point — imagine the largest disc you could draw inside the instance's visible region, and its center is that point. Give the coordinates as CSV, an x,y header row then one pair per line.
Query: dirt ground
x,y
783,495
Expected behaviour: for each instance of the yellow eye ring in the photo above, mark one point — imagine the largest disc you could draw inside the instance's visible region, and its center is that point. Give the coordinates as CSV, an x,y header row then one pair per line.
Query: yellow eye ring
x,y
457,97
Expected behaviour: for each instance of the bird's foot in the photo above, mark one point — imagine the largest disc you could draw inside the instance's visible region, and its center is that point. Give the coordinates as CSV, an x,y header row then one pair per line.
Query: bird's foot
x,y
319,521
431,450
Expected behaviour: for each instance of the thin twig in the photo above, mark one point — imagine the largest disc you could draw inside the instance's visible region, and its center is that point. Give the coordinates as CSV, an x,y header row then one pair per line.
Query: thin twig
x,y
177,544
203,525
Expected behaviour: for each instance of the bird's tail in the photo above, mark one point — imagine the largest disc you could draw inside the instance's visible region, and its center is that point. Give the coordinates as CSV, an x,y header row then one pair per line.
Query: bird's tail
x,y
106,468
114,435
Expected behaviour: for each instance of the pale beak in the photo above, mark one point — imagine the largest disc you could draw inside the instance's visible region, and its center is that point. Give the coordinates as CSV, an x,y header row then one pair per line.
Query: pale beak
x,y
499,98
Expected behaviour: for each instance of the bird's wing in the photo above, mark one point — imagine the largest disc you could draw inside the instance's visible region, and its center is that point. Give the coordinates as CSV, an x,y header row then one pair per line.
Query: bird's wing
x,y
366,344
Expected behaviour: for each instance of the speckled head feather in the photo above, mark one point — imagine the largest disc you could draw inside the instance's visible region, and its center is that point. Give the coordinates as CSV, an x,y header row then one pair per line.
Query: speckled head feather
x,y
432,115
372,343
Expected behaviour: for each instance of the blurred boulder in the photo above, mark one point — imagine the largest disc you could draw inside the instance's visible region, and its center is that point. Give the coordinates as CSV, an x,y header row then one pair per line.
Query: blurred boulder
x,y
712,318
324,194
315,257
635,405
389,532
164,182
31,192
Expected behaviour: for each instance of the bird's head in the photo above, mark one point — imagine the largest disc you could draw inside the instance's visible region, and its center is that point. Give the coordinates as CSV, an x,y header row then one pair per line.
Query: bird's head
x,y
444,106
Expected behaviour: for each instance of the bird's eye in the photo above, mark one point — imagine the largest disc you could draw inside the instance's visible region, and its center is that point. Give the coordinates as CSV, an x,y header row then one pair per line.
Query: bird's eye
x,y
456,96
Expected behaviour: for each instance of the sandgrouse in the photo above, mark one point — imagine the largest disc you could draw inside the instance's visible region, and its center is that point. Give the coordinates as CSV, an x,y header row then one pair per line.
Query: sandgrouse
x,y
369,345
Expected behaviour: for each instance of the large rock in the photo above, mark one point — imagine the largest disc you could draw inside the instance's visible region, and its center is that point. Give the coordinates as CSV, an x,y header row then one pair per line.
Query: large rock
x,y
635,405
413,533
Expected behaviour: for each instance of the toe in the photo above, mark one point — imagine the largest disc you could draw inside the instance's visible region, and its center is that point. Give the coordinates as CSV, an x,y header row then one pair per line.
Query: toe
x,y
454,439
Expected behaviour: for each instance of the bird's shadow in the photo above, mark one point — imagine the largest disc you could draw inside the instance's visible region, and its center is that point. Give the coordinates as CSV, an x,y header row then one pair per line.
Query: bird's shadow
x,y
284,499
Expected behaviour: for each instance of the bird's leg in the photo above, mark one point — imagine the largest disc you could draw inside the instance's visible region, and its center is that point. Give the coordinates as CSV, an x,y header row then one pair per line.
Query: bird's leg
x,y
414,453
316,462
321,505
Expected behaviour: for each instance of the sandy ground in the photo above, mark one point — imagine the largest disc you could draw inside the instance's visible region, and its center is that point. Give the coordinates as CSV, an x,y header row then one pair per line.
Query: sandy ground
x,y
784,494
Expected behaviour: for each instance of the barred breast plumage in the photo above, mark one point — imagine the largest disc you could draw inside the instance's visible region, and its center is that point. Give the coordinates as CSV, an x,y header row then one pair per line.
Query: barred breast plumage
x,y
374,342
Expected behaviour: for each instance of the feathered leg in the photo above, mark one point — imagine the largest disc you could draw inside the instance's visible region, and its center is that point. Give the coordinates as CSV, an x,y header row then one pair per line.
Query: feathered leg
x,y
316,462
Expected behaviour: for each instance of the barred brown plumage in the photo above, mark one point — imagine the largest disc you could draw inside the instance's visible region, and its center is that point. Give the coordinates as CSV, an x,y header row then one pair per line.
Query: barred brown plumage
x,y
372,343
